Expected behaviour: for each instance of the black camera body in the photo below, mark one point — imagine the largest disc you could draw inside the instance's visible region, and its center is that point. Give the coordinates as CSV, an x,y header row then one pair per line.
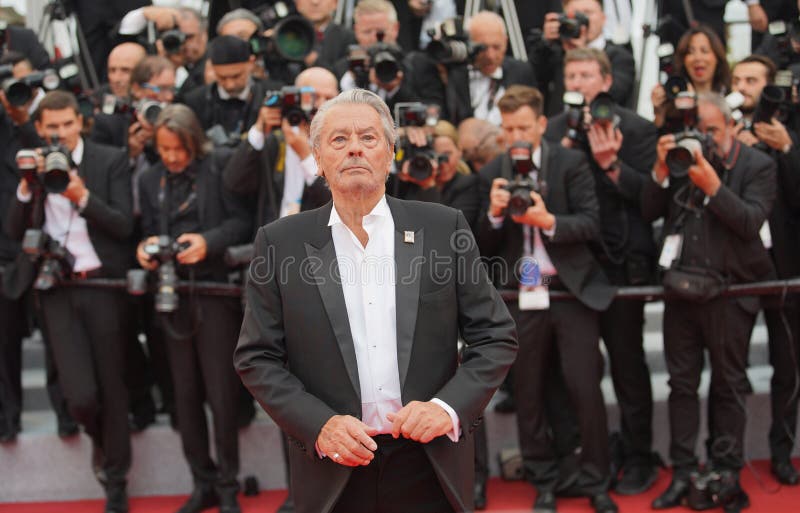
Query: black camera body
x,y
297,104
20,91
164,252
523,183
56,260
681,121
358,64
451,45
601,111
57,165
569,27
672,83
292,38
385,59
172,40
414,114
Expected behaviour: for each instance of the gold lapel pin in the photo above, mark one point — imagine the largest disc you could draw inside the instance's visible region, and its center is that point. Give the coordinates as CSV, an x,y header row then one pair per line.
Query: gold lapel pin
x,y
408,237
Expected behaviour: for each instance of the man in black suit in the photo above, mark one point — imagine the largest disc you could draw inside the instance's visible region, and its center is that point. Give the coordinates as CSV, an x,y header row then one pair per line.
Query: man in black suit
x,y
711,229
92,219
621,153
379,410
547,245
750,76
25,41
472,90
546,55
121,61
182,198
332,39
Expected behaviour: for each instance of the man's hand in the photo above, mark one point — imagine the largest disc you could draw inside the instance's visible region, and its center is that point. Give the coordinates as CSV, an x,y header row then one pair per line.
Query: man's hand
x,y
143,258
423,184
347,441
758,18
164,18
773,134
498,197
196,251
421,422
551,25
138,135
537,215
269,118
703,175
567,142
745,136
665,143
76,188
19,115
605,141
297,140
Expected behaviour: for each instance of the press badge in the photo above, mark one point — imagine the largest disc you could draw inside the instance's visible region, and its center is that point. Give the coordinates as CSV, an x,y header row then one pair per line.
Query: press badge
x,y
671,250
532,294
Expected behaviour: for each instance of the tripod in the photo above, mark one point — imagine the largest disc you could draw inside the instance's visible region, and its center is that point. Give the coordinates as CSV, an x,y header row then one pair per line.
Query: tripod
x,y
515,37
59,24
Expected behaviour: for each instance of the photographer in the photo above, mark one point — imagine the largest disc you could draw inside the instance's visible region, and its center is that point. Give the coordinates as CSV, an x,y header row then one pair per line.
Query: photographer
x,y
580,27
620,147
25,41
278,186
226,107
479,142
189,220
89,223
121,61
332,39
541,213
751,77
714,194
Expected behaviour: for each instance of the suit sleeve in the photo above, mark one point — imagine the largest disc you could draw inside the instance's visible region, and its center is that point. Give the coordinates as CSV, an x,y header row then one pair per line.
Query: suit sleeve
x,y
236,226
623,70
260,357
641,146
115,217
241,174
582,223
487,329
788,176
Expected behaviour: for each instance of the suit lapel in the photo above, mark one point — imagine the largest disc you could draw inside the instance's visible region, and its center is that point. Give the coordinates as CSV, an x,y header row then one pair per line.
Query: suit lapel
x,y
545,161
408,257
322,254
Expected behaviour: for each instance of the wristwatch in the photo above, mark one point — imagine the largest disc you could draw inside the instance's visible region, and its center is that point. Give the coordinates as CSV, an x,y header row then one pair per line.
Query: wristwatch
x,y
614,166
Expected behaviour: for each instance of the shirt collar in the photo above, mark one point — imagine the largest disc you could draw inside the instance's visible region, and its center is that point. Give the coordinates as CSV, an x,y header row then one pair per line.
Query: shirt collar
x,y
599,43
77,153
536,156
244,95
381,209
476,73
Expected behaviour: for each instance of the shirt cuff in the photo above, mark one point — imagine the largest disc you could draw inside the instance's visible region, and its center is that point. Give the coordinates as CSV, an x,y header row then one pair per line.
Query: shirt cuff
x,y
256,138
552,231
23,198
752,2
133,22
664,184
321,454
309,166
452,435
83,202
496,222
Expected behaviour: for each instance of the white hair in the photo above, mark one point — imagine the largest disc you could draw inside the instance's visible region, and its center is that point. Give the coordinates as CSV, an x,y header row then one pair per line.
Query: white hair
x,y
355,97
718,101
376,7
485,18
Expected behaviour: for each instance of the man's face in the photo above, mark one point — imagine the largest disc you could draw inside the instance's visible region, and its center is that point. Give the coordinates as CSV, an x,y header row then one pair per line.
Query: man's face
x,y
196,40
65,123
749,78
367,26
712,122
161,87
234,77
120,66
353,154
593,11
316,11
22,69
243,29
585,77
494,37
173,153
445,146
325,89
522,125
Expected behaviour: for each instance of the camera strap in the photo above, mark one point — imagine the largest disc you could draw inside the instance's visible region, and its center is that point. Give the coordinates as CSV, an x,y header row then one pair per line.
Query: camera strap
x,y
163,214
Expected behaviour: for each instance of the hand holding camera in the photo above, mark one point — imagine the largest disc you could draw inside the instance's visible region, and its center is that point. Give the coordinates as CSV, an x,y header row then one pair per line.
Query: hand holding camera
x,y
423,183
269,118
18,114
537,214
663,147
195,251
76,189
745,136
703,174
773,134
605,140
144,257
297,139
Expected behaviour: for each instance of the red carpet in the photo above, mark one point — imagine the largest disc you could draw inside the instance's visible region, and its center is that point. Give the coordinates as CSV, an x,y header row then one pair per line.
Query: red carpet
x,y
504,497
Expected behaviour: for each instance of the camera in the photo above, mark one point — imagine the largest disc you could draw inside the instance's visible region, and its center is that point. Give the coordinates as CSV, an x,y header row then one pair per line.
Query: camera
x,y
575,115
670,80
147,108
164,251
523,183
452,44
57,165
688,139
569,27
385,59
784,33
358,64
56,260
769,104
296,103
601,109
20,91
172,41
712,489
419,158
292,38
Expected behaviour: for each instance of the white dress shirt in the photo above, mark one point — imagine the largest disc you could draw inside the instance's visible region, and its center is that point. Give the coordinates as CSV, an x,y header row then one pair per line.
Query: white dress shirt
x,y
368,283
479,94
64,224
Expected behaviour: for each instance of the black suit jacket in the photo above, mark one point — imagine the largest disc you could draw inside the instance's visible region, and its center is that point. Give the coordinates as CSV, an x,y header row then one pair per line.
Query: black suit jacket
x,y
25,41
204,102
784,221
108,213
223,219
570,196
461,193
335,42
457,98
296,353
620,209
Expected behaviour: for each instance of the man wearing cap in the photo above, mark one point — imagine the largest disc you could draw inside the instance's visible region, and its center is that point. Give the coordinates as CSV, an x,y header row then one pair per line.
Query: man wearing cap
x,y
229,105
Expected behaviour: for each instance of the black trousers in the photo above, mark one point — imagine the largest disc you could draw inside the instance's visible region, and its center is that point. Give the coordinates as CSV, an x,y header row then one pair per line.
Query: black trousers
x,y
722,328
13,328
783,326
571,329
202,370
87,338
400,479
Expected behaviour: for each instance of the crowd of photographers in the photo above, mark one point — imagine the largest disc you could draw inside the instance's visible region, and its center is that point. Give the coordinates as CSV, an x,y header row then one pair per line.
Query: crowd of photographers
x,y
200,134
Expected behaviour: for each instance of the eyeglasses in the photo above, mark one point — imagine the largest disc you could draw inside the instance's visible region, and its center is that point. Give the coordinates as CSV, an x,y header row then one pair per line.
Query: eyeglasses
x,y
159,90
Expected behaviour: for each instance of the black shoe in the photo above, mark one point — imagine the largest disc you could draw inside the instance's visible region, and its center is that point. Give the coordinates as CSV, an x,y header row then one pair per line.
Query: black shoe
x,y
228,503
98,461
67,428
287,506
8,433
140,422
479,495
202,497
116,499
602,503
785,473
636,479
673,495
737,503
506,405
545,503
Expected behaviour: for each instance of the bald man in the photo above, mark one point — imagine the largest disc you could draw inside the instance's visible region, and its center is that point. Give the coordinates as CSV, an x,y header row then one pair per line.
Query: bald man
x,y
121,61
